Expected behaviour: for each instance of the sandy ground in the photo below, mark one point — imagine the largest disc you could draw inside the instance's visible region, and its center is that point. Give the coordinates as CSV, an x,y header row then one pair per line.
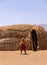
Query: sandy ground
x,y
32,58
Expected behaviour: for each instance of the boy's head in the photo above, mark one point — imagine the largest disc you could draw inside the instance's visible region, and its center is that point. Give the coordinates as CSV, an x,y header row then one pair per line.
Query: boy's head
x,y
22,39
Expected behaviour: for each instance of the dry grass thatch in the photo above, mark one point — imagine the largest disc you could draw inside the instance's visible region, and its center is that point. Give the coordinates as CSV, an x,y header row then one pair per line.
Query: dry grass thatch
x,y
13,34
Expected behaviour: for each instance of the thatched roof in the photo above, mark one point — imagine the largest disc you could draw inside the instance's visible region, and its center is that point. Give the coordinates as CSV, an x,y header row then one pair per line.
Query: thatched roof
x,y
19,31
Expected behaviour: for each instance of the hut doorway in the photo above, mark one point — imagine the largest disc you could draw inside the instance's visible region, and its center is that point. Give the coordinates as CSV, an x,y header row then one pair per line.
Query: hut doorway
x,y
34,40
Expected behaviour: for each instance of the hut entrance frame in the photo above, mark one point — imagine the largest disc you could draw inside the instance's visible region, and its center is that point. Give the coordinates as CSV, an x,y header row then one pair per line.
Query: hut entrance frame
x,y
34,40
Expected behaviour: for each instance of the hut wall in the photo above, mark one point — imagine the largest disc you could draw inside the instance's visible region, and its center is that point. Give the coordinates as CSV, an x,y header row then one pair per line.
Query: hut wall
x,y
11,36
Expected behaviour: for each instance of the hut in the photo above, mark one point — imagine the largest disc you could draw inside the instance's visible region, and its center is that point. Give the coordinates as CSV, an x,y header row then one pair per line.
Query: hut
x,y
35,35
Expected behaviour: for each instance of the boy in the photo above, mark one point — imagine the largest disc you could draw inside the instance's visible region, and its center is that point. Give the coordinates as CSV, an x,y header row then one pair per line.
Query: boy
x,y
23,45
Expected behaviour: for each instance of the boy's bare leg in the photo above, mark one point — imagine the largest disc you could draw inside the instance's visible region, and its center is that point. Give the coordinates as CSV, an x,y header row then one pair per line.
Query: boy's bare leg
x,y
25,52
21,51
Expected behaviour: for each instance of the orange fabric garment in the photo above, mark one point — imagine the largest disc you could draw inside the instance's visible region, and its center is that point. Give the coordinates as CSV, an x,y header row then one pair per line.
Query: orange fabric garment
x,y
24,43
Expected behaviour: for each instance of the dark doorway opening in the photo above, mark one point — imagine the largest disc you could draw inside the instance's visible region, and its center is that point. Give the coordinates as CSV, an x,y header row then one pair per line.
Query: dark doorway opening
x,y
34,40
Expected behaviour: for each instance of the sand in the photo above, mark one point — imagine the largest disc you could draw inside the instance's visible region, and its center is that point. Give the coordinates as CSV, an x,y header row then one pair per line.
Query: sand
x,y
32,58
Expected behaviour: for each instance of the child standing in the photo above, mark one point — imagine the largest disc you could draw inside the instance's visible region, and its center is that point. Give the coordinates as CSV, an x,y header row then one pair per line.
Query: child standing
x,y
23,45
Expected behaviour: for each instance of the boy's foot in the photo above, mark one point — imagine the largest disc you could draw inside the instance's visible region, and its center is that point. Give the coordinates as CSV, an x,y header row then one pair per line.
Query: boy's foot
x,y
20,53
24,53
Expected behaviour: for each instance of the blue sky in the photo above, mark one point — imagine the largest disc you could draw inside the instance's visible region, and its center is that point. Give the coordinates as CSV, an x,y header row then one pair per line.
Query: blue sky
x,y
23,12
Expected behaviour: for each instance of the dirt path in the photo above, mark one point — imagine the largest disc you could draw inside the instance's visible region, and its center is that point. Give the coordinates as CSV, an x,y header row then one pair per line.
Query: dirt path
x,y
14,58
